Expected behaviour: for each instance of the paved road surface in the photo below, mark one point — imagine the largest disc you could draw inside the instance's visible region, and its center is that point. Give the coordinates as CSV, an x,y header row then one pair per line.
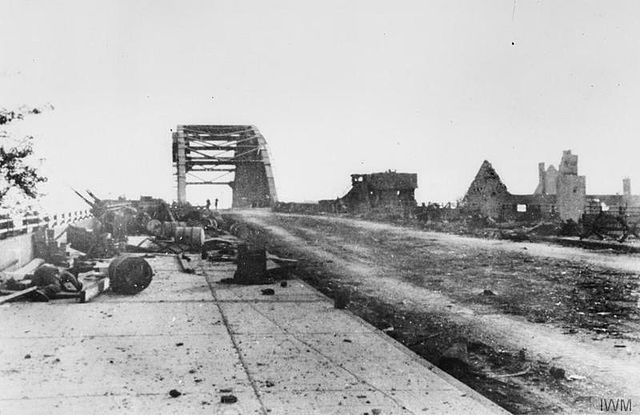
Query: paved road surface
x,y
291,353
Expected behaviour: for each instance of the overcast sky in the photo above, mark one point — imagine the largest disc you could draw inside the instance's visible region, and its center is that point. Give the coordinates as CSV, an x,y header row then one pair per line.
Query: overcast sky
x,y
336,87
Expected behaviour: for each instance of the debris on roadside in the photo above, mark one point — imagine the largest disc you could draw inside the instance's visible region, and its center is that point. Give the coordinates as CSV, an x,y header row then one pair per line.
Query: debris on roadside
x,y
342,299
184,265
455,359
557,373
228,399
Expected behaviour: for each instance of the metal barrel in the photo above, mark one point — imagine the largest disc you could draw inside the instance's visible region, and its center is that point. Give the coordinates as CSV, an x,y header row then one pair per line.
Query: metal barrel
x,y
169,228
252,265
129,274
154,227
190,235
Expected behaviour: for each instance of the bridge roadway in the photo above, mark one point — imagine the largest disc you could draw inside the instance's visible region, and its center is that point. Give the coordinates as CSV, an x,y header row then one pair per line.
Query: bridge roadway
x,y
290,353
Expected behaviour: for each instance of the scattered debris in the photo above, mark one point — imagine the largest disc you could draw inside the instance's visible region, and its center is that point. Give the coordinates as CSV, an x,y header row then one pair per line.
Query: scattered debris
x,y
94,289
557,373
18,294
129,274
455,358
183,265
510,375
228,399
522,354
342,299
252,265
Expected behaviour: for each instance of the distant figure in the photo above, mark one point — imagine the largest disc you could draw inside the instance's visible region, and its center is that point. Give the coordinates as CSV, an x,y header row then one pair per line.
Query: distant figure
x,y
209,204
216,203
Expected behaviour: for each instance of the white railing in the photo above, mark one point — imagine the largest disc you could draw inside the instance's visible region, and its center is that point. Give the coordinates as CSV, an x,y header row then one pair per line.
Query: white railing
x,y
28,222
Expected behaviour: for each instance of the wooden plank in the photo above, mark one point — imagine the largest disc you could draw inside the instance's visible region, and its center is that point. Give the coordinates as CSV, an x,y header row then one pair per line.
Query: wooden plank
x,y
183,265
282,261
65,295
29,268
18,294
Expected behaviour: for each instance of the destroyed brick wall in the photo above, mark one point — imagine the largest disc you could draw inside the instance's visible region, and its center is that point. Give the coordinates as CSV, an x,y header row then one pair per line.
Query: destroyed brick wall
x,y
535,207
547,180
560,194
487,195
571,196
626,187
569,163
571,189
388,190
551,180
626,200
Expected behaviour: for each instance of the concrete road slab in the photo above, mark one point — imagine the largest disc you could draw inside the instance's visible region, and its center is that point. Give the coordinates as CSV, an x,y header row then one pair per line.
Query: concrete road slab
x,y
289,317
188,403
333,403
280,354
181,287
441,402
285,363
295,291
379,359
117,365
105,319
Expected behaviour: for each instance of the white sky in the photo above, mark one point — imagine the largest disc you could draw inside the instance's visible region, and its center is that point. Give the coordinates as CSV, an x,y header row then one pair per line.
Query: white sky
x,y
336,87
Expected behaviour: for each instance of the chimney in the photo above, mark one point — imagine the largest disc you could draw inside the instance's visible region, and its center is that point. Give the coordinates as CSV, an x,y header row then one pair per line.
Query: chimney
x,y
626,187
542,178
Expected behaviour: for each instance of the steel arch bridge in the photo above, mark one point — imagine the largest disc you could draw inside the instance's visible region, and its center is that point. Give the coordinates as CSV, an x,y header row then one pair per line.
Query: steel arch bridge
x,y
234,155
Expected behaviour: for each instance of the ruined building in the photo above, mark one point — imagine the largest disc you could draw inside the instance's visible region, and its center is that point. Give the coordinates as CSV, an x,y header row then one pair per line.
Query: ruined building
x,y
389,191
560,194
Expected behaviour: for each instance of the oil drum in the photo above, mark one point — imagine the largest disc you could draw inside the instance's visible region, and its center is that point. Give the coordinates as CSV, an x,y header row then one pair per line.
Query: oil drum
x,y
169,228
190,235
129,274
154,227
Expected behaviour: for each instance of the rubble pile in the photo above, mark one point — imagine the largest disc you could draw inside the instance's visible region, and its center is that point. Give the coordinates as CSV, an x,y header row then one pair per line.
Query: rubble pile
x,y
107,251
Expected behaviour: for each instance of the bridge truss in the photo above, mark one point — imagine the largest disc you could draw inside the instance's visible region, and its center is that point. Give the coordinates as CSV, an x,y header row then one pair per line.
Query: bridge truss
x,y
233,155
